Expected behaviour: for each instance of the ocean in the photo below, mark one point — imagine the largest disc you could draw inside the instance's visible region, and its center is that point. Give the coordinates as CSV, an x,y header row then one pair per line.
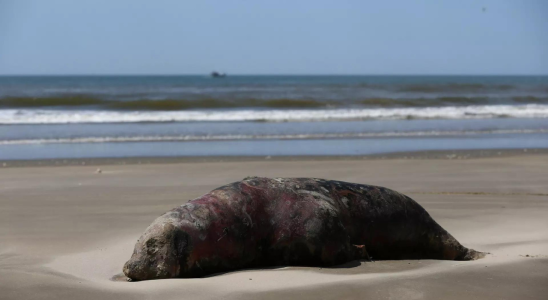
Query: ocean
x,y
45,117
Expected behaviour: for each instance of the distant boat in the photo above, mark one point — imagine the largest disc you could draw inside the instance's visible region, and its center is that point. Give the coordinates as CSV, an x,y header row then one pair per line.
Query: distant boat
x,y
216,74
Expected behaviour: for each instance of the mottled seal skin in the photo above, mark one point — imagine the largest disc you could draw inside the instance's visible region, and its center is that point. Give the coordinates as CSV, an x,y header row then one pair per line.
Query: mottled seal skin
x,y
259,222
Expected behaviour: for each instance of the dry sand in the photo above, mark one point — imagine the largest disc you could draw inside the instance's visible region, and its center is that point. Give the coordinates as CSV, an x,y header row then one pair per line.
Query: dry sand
x,y
66,231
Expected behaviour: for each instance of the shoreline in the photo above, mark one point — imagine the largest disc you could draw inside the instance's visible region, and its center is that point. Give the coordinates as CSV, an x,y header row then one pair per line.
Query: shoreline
x,y
405,155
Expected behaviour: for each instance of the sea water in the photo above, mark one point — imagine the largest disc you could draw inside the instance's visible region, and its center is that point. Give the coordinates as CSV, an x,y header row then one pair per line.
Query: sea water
x,y
127,116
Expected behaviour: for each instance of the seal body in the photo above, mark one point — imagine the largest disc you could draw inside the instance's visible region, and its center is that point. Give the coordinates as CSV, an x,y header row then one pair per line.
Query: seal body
x,y
259,222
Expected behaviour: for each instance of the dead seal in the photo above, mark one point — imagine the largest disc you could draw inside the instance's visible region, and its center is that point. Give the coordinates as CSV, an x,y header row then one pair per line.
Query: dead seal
x,y
259,222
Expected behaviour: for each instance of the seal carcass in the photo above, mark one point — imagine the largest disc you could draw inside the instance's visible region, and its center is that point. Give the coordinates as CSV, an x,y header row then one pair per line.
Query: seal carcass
x,y
260,222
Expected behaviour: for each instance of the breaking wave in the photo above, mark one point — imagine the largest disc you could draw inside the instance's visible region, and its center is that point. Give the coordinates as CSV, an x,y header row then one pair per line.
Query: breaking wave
x,y
43,116
235,137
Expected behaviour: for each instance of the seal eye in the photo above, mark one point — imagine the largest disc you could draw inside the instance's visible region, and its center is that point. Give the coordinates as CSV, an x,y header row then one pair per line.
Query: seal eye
x,y
151,246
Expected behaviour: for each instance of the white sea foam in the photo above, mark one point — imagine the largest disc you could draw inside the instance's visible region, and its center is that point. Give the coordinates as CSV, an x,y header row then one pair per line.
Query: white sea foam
x,y
235,137
26,116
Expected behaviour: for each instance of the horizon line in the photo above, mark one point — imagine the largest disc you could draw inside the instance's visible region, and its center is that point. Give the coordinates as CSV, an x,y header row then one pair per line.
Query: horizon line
x,y
262,74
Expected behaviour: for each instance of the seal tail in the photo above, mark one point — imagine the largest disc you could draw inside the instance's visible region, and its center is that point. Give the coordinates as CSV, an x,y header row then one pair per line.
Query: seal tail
x,y
453,250
442,245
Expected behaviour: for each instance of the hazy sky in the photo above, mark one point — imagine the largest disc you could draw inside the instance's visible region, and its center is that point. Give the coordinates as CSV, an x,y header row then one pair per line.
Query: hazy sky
x,y
274,37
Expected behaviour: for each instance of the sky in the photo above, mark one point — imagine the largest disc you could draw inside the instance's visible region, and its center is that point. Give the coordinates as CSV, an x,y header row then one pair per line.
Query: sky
x,y
63,37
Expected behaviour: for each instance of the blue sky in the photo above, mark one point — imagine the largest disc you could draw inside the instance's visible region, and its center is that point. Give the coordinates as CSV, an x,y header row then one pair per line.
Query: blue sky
x,y
273,37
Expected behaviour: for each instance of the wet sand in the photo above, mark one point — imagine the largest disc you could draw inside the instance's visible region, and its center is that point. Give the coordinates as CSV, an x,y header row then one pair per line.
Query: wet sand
x,y
66,231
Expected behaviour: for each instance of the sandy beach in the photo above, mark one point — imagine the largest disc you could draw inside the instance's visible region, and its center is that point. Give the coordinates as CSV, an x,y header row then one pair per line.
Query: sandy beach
x,y
66,231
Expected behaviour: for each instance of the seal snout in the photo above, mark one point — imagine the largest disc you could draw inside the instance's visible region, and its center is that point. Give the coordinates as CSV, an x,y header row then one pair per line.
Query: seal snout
x,y
131,270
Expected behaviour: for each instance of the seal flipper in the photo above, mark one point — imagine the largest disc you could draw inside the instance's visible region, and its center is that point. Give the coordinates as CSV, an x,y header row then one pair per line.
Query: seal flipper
x,y
450,248
472,254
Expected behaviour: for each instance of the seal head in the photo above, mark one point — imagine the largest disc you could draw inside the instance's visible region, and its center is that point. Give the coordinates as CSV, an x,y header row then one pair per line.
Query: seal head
x,y
158,253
